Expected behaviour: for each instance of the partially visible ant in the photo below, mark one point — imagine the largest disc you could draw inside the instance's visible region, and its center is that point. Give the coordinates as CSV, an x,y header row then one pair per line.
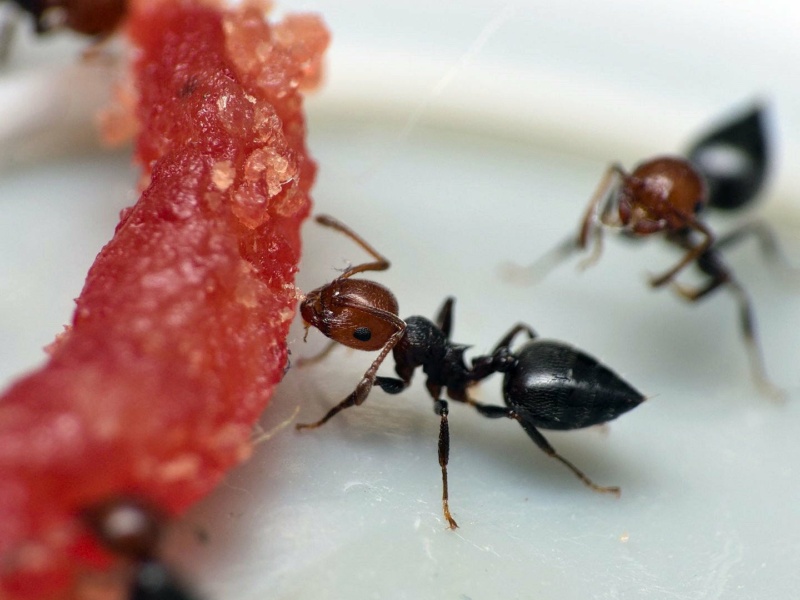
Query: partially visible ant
x,y
97,18
547,385
132,530
668,195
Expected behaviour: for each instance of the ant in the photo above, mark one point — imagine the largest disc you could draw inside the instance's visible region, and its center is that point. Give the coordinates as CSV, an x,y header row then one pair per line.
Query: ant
x,y
132,530
547,385
89,17
724,169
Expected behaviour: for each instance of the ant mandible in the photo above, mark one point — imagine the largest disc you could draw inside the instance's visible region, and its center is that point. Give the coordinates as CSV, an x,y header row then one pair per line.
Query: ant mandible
x,y
667,195
132,529
547,385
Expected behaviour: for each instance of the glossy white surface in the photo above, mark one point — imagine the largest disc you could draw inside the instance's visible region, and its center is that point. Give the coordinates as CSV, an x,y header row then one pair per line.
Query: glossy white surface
x,y
451,162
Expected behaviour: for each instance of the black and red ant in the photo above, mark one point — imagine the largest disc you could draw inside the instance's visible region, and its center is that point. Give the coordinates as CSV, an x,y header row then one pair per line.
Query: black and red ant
x,y
132,529
547,385
668,195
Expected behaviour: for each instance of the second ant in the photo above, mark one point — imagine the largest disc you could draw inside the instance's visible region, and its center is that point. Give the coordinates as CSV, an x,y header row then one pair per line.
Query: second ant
x,y
668,195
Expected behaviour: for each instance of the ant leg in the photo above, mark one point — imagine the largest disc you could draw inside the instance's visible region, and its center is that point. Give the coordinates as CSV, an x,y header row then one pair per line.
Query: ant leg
x,y
391,385
444,319
380,264
747,325
541,267
441,409
305,361
608,220
358,395
497,412
759,229
500,358
545,446
505,342
490,411
767,240
596,215
692,255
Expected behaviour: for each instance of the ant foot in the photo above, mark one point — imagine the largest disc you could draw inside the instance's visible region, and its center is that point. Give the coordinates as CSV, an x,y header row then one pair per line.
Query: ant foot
x,y
612,489
301,426
660,280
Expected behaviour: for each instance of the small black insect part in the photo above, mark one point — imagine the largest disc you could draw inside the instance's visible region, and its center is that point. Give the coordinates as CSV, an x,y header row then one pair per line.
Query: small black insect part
x,y
668,195
734,159
547,384
132,530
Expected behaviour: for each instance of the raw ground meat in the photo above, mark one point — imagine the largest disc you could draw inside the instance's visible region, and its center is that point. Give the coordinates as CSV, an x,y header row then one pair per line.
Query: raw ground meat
x,y
179,334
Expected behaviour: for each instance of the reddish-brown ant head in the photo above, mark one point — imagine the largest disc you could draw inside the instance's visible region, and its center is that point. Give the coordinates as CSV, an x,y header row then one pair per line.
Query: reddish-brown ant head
x,y
661,194
352,312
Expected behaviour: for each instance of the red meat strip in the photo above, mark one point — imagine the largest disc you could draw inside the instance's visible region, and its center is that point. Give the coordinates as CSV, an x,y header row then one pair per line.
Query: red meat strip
x,y
179,334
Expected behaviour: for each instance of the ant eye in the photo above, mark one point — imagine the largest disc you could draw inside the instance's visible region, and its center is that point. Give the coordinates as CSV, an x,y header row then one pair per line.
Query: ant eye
x,y
362,334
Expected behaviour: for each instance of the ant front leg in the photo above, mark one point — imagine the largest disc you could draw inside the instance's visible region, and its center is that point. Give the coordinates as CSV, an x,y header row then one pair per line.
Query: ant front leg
x,y
692,255
440,408
306,361
541,267
599,214
381,262
359,395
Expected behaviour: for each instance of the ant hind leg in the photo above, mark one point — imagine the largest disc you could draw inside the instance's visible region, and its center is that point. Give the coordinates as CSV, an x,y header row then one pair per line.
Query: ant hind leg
x,y
497,412
767,241
720,275
545,446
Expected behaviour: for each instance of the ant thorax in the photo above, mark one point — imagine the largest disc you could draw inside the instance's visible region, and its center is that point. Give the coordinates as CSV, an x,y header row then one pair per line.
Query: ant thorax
x,y
425,345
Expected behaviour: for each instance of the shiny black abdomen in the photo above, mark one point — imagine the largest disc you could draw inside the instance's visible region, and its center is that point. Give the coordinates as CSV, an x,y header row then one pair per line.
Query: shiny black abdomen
x,y
555,386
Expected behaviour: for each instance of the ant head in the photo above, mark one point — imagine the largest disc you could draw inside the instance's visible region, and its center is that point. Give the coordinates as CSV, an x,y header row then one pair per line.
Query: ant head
x,y
352,312
664,193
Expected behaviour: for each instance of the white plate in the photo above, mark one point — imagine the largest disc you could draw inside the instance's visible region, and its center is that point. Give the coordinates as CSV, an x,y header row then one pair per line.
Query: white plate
x,y
455,137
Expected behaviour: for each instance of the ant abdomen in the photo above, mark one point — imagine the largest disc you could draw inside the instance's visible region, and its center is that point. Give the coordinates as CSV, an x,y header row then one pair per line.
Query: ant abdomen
x,y
555,386
733,159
